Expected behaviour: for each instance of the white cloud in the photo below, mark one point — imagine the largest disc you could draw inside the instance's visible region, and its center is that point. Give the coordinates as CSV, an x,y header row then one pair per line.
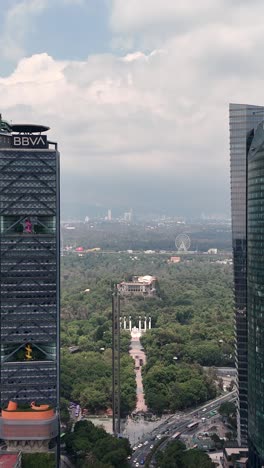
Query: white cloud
x,y
141,14
162,114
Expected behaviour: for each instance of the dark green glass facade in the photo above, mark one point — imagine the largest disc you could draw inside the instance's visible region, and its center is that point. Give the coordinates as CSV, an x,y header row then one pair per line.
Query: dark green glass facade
x,y
255,298
243,118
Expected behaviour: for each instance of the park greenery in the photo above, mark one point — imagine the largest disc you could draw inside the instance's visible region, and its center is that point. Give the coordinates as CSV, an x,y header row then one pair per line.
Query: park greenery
x,y
86,377
176,386
90,446
228,412
192,328
40,460
176,456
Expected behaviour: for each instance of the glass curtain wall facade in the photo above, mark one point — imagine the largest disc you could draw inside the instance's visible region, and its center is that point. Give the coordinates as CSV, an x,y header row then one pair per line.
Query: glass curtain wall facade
x,y
29,287
242,119
255,299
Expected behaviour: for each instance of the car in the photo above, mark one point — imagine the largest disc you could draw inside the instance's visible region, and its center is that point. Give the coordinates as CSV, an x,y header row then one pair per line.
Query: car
x,y
151,447
137,464
204,409
129,457
146,442
140,445
134,448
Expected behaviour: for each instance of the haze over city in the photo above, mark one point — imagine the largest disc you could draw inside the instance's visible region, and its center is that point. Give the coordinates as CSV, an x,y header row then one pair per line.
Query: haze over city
x,y
136,93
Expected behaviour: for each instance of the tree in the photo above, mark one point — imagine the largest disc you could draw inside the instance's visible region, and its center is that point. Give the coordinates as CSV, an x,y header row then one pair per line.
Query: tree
x,y
227,409
197,459
176,456
219,443
64,412
40,460
89,443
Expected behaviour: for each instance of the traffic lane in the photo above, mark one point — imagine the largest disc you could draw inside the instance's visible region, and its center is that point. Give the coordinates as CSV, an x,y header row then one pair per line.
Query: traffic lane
x,y
173,426
145,449
183,428
180,428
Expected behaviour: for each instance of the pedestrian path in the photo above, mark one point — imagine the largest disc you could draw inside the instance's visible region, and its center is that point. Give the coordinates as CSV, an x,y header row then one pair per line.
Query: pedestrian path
x,y
137,353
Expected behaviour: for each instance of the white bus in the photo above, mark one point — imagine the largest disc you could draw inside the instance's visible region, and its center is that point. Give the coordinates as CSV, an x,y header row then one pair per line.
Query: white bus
x,y
192,426
176,435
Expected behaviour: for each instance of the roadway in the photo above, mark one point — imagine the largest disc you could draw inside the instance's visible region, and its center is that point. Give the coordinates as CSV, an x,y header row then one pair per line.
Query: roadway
x,y
175,423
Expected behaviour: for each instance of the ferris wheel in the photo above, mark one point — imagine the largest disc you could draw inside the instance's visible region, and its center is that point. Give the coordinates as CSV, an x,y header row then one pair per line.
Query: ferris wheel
x,y
182,243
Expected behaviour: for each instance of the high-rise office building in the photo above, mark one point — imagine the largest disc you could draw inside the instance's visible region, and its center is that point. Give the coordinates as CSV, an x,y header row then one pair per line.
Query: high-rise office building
x,y
29,288
255,298
242,119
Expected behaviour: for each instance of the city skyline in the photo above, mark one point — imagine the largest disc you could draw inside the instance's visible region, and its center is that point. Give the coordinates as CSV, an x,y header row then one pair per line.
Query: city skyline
x,y
137,117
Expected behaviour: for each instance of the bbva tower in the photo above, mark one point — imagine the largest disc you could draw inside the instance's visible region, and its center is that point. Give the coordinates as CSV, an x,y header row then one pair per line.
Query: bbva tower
x,y
29,288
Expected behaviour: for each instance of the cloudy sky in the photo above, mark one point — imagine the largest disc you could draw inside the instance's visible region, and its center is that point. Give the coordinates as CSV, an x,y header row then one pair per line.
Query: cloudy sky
x,y
136,92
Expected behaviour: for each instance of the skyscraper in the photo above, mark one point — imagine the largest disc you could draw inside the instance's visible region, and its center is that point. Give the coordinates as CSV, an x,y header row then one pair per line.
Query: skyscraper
x,y
242,119
255,298
29,287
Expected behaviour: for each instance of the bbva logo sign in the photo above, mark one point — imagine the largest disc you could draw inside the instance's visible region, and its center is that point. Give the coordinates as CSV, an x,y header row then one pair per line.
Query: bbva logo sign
x,y
29,141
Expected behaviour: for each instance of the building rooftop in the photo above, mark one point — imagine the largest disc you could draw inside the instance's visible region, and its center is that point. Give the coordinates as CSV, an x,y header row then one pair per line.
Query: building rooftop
x,y
9,460
29,128
233,450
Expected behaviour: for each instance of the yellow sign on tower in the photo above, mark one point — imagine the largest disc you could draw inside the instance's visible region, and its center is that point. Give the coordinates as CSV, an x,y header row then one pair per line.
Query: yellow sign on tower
x,y
28,349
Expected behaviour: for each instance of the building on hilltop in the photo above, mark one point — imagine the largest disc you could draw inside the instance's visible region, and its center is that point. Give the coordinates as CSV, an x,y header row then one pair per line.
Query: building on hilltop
x,y
243,119
212,251
174,260
139,286
29,288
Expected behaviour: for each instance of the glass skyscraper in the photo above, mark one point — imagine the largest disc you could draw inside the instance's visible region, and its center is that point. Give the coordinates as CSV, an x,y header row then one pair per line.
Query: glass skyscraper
x,y
255,298
29,287
243,119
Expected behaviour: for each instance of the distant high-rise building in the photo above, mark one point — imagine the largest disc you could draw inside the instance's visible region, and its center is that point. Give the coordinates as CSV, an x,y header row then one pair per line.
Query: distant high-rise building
x,y
109,215
29,288
242,119
128,216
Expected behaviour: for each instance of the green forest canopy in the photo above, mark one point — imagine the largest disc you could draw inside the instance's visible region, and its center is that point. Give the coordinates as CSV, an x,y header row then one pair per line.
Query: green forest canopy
x,y
192,326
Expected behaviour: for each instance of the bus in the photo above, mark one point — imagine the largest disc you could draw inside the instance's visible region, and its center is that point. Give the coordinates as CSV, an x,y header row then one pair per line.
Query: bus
x,y
176,435
192,426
